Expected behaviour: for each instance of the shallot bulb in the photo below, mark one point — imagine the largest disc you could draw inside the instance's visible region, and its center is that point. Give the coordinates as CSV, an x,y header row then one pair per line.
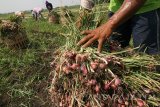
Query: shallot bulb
x,y
66,69
94,65
97,88
117,82
113,86
121,101
102,66
84,70
106,85
140,102
70,55
75,66
92,82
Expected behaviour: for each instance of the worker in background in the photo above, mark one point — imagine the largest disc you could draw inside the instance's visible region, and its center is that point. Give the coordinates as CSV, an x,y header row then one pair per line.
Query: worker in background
x,y
139,18
37,13
20,14
49,6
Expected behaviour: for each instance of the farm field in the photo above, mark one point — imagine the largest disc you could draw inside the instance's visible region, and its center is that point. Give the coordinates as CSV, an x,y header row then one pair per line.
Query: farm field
x,y
26,75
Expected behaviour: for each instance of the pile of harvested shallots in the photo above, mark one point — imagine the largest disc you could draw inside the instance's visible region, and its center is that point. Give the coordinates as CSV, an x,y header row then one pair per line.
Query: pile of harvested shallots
x,y
90,79
114,78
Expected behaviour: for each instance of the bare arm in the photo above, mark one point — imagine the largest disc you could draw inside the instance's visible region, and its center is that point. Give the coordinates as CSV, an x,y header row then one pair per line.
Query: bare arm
x,y
127,10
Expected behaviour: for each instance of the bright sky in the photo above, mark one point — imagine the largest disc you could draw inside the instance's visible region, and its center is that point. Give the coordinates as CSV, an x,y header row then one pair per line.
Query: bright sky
x,y
18,5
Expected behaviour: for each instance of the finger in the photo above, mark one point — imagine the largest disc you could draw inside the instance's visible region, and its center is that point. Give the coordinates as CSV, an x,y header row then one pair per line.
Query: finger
x,y
86,38
86,32
89,42
100,44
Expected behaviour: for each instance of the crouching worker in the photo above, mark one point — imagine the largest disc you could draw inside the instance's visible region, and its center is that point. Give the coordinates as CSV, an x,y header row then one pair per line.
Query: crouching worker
x,y
37,13
139,18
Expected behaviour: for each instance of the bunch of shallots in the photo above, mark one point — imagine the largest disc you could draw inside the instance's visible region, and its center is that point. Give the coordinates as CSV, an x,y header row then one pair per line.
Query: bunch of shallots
x,y
90,80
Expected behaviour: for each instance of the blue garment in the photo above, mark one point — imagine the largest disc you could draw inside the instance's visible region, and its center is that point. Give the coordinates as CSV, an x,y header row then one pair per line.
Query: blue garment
x,y
145,30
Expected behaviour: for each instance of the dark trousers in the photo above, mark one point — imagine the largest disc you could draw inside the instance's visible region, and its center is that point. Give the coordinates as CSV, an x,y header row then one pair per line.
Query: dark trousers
x,y
145,30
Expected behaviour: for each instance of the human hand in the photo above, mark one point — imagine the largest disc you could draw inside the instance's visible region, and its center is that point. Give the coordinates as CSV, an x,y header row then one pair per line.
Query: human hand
x,y
99,34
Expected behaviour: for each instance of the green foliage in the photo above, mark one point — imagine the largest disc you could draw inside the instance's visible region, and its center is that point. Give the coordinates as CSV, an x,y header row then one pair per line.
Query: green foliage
x,y
64,11
24,73
86,20
89,19
54,13
16,19
101,1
